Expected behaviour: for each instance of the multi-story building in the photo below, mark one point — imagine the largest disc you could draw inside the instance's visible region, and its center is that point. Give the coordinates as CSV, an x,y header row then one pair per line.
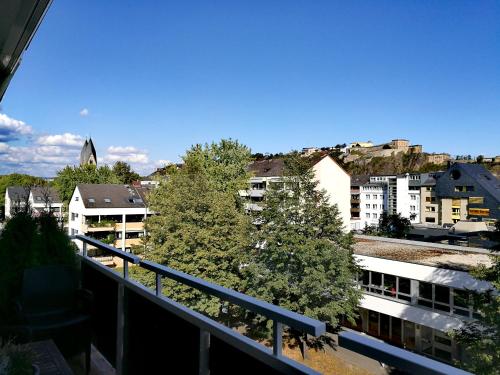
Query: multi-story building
x,y
414,294
402,194
367,202
463,192
111,213
331,177
39,198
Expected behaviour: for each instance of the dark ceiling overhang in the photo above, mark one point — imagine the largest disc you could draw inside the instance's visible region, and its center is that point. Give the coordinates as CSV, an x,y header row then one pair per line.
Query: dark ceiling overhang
x,y
19,20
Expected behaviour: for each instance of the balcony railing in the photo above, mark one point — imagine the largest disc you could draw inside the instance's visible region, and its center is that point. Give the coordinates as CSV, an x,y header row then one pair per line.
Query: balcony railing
x,y
141,331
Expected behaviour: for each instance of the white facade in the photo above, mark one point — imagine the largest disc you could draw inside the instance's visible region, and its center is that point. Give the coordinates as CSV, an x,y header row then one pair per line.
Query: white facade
x,y
402,195
37,204
371,204
414,305
330,176
87,220
337,183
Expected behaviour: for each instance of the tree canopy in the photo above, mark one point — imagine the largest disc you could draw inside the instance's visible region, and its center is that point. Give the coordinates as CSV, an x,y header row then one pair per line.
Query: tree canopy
x,y
16,179
69,177
124,172
200,227
302,260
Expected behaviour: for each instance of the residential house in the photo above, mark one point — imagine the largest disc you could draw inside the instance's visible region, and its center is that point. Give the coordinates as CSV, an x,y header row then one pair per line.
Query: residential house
x,y
330,176
112,213
39,198
367,202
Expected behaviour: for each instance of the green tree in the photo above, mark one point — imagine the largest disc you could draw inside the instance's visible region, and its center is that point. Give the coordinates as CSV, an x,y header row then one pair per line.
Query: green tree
x,y
69,177
302,260
200,227
29,242
481,338
394,225
124,173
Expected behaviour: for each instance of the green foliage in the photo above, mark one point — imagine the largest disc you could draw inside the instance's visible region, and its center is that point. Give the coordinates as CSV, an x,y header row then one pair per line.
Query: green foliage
x,y
15,359
224,164
395,226
199,227
302,260
124,173
29,242
481,338
69,177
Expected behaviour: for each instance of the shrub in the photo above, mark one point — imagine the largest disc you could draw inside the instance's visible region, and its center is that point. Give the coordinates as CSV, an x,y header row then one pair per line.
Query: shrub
x,y
29,242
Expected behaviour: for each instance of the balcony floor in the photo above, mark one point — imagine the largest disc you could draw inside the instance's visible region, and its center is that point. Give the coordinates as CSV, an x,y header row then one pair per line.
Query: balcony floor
x,y
98,364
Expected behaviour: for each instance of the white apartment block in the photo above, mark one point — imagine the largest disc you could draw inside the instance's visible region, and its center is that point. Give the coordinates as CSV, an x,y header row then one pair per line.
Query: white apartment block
x,y
413,303
367,202
39,198
112,213
402,194
330,176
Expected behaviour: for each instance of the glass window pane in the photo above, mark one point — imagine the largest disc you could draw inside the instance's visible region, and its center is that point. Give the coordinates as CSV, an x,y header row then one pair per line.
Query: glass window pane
x,y
390,285
425,303
396,331
365,278
442,294
425,290
461,298
403,297
441,307
376,279
404,285
384,326
373,323
409,334
461,312
442,354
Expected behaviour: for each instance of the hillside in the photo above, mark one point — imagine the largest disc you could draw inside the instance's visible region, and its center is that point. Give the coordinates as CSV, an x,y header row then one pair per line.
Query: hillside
x,y
394,164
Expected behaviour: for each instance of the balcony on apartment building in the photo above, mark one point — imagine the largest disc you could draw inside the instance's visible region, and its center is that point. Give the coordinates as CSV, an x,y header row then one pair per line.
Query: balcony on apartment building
x,y
173,337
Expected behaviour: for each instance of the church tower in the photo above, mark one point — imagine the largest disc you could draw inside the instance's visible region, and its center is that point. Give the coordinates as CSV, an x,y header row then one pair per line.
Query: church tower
x,y
88,154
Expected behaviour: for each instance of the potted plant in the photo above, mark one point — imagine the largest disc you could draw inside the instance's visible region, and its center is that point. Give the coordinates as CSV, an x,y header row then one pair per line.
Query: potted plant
x,y
17,360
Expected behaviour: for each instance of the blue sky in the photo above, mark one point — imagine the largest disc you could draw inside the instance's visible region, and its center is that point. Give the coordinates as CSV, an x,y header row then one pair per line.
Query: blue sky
x,y
154,77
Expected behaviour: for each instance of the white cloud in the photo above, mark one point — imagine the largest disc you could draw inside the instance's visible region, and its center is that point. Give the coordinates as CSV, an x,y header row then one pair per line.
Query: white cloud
x,y
84,112
4,147
11,129
66,139
127,154
162,163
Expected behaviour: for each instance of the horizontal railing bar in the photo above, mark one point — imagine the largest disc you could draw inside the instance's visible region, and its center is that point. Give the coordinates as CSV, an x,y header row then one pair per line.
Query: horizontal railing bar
x,y
226,334
134,259
291,319
394,356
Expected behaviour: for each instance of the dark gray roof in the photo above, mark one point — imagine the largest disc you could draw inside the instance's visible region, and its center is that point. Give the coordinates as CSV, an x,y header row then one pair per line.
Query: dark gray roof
x,y
360,180
112,196
483,177
87,150
39,191
267,168
17,192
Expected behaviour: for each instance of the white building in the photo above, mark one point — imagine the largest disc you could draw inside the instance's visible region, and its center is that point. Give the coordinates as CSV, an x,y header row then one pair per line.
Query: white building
x,y
368,202
414,301
330,176
402,195
39,198
111,213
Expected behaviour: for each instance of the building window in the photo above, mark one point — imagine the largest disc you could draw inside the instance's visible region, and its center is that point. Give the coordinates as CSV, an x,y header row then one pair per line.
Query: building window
x,y
77,199
374,206
367,196
375,216
434,296
367,206
430,209
479,211
412,208
463,189
374,196
429,188
367,215
430,219
476,200
413,197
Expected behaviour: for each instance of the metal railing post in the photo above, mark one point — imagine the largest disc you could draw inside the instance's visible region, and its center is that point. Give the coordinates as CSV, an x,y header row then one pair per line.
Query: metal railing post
x,y
277,337
84,249
125,269
204,353
158,284
120,330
